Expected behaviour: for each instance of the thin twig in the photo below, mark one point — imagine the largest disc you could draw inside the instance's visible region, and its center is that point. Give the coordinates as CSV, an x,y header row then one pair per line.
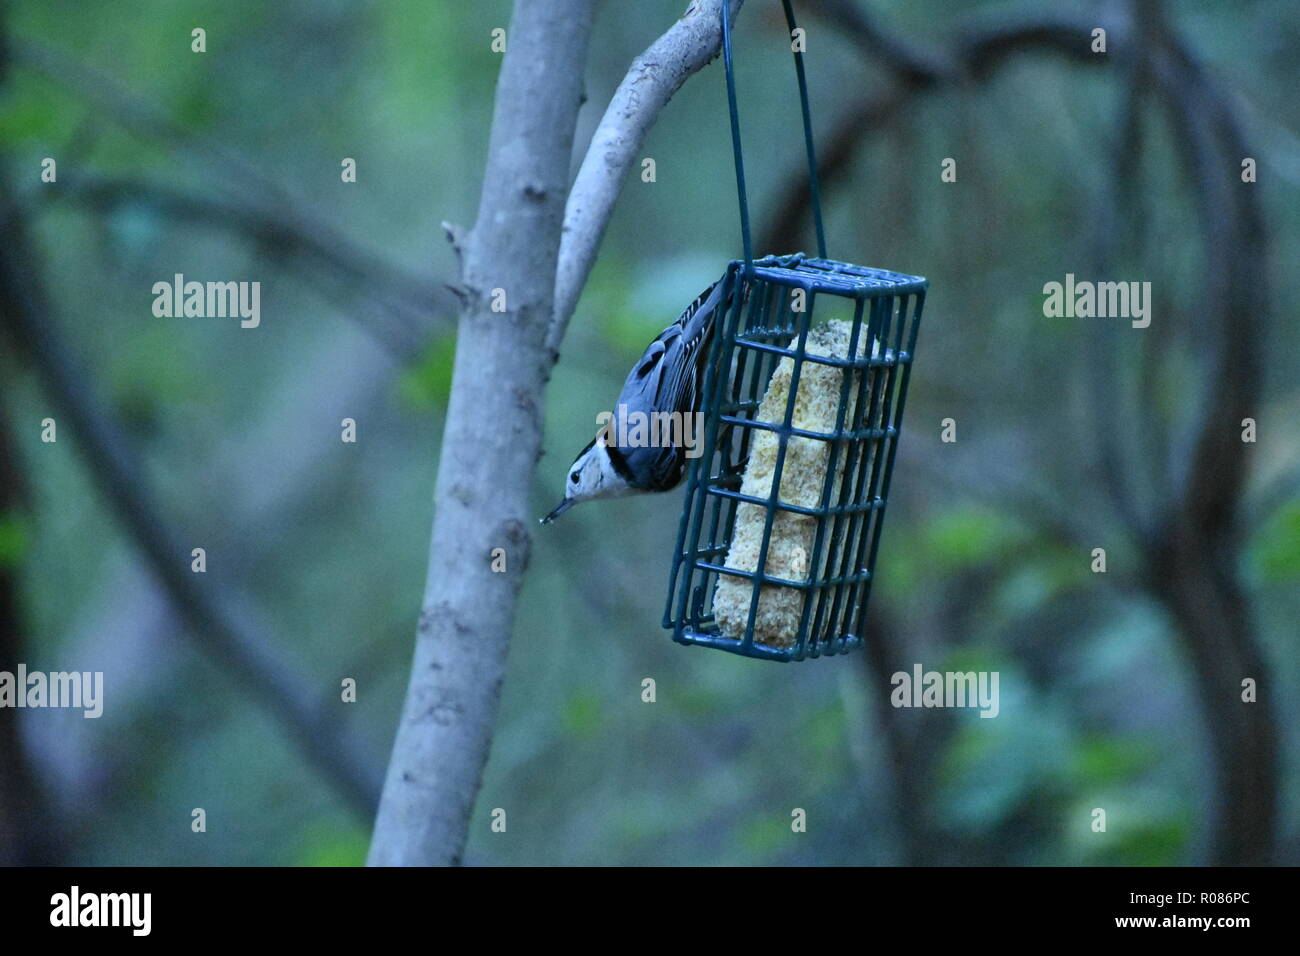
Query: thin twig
x,y
652,79
408,306
981,47
252,200
233,637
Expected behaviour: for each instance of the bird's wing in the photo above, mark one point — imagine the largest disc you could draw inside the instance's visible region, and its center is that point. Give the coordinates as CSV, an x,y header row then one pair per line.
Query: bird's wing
x,y
670,374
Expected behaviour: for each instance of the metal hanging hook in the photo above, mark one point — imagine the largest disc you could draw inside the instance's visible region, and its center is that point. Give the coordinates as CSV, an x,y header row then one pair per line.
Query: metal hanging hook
x,y
813,179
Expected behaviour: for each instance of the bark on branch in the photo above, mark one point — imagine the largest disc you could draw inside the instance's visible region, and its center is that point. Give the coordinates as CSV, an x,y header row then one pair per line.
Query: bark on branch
x,y
491,443
539,249
654,76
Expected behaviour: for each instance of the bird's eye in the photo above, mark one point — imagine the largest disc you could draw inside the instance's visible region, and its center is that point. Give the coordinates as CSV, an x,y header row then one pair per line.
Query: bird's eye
x,y
574,477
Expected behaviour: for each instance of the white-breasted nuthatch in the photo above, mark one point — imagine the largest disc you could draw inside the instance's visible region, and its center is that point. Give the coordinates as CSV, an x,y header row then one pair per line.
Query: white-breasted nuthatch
x,y
665,385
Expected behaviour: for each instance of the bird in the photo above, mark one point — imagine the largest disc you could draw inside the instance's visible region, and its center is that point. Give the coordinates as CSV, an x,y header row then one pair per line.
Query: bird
x,y
668,378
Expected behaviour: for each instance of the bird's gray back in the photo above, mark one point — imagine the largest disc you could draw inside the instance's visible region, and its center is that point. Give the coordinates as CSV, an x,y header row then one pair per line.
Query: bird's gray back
x,y
669,378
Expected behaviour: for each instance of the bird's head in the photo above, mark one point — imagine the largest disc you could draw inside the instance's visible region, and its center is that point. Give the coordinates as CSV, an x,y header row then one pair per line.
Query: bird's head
x,y
591,475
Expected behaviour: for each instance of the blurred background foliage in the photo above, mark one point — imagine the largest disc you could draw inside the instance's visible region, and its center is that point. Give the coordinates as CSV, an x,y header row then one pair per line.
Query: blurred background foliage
x,y
238,432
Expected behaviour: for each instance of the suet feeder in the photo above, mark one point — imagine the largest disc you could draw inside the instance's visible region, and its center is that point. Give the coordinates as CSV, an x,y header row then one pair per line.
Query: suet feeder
x,y
802,404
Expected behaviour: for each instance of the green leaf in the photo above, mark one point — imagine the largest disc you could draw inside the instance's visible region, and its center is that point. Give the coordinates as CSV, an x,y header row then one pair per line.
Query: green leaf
x,y
582,714
13,539
346,850
1102,760
969,536
1275,552
764,835
427,384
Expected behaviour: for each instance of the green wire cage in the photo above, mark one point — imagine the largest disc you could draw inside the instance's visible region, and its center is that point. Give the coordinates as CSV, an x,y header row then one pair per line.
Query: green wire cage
x,y
783,510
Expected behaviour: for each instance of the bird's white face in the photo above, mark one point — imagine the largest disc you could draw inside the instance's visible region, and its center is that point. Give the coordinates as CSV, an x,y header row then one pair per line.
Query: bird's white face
x,y
588,474
591,475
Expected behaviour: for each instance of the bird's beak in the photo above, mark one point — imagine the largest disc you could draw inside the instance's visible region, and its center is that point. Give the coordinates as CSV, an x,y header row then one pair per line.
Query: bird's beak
x,y
560,509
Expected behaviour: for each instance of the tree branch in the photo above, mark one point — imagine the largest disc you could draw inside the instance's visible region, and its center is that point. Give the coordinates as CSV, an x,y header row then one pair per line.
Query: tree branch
x,y
981,47
910,63
231,636
491,443
409,303
1191,565
146,119
251,200
1113,223
652,79
1189,548
29,833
